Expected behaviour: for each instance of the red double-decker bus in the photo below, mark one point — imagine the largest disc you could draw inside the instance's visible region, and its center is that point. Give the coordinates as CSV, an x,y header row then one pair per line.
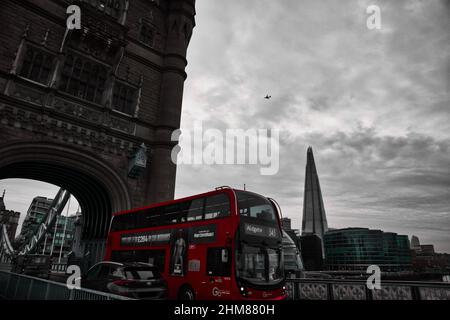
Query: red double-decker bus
x,y
224,244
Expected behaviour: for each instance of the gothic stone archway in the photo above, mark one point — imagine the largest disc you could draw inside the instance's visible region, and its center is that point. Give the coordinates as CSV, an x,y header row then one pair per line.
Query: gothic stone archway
x,y
98,188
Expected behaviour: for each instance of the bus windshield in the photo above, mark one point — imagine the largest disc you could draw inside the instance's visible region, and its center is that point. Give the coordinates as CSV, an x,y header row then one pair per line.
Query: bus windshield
x,y
259,265
258,254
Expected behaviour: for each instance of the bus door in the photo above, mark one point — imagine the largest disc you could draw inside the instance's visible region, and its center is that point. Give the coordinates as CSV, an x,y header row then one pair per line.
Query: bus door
x,y
217,283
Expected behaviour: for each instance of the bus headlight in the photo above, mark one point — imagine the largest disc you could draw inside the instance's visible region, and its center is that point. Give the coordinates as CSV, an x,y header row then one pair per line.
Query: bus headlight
x,y
243,291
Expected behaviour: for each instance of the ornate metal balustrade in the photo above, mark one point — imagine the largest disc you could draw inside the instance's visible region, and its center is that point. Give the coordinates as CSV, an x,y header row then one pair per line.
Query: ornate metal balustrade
x,y
317,289
59,268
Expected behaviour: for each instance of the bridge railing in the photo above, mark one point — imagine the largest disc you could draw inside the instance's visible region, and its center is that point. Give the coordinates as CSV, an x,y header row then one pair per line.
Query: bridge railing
x,y
21,287
318,289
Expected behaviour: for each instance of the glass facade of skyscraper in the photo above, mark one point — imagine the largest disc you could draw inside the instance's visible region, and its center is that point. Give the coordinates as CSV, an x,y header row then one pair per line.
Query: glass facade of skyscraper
x,y
358,248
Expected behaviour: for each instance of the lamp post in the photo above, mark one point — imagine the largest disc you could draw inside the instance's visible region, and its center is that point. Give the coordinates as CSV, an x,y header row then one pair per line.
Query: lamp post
x,y
64,232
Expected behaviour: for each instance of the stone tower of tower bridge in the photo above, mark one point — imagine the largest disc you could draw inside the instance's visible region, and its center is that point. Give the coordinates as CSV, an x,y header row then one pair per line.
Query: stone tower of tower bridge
x,y
92,110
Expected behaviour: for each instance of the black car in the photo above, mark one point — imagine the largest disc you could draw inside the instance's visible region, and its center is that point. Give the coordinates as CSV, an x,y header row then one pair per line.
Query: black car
x,y
135,280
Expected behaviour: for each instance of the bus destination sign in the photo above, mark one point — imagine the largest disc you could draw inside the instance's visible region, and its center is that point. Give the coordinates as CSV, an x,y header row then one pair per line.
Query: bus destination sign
x,y
260,231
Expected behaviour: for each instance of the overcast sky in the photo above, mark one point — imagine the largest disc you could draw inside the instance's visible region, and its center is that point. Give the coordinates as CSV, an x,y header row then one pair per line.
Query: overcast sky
x,y
373,104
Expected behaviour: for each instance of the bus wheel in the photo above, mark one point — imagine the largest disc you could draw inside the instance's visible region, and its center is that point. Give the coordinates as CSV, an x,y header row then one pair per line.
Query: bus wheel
x,y
186,293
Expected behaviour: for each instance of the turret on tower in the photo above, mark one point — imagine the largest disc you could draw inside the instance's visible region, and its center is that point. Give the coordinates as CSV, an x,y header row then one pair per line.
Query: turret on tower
x,y
180,22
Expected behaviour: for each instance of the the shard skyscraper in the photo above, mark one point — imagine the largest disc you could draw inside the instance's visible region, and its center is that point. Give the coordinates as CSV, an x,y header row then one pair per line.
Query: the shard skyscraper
x,y
314,219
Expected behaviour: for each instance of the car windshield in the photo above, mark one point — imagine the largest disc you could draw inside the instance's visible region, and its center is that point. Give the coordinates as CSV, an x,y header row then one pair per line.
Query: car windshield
x,y
259,265
139,273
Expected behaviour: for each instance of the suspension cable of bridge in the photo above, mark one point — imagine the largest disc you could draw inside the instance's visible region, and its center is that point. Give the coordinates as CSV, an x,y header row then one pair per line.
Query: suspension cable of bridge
x,y
57,206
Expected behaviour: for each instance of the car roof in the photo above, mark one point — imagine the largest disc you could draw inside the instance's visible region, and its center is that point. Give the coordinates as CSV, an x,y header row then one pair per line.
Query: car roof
x,y
138,264
127,264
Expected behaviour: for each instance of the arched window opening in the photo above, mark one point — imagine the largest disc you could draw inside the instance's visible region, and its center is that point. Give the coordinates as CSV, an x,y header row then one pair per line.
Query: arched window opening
x,y
147,34
124,98
83,78
113,8
36,65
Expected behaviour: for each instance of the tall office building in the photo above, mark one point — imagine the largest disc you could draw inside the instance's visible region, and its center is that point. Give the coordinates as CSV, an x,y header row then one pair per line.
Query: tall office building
x,y
358,248
311,248
58,239
36,214
286,224
314,219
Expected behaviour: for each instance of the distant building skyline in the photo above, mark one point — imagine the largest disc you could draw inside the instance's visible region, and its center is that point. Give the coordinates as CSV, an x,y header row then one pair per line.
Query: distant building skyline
x,y
58,239
20,198
10,218
358,248
51,189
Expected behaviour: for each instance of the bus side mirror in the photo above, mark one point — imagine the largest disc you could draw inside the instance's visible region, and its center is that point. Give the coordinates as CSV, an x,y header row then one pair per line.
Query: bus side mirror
x,y
224,255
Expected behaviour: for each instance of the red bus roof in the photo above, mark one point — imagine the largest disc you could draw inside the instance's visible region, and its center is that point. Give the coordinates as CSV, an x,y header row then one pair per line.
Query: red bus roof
x,y
201,195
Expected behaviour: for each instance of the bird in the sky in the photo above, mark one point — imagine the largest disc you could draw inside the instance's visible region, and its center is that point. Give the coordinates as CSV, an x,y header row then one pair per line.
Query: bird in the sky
x,y
267,97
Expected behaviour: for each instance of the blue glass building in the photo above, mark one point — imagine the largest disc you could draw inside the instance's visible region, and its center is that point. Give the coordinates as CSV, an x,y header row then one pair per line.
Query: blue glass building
x,y
358,248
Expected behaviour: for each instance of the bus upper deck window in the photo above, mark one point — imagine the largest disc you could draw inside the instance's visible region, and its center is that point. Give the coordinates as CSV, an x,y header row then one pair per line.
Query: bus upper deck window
x,y
217,206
